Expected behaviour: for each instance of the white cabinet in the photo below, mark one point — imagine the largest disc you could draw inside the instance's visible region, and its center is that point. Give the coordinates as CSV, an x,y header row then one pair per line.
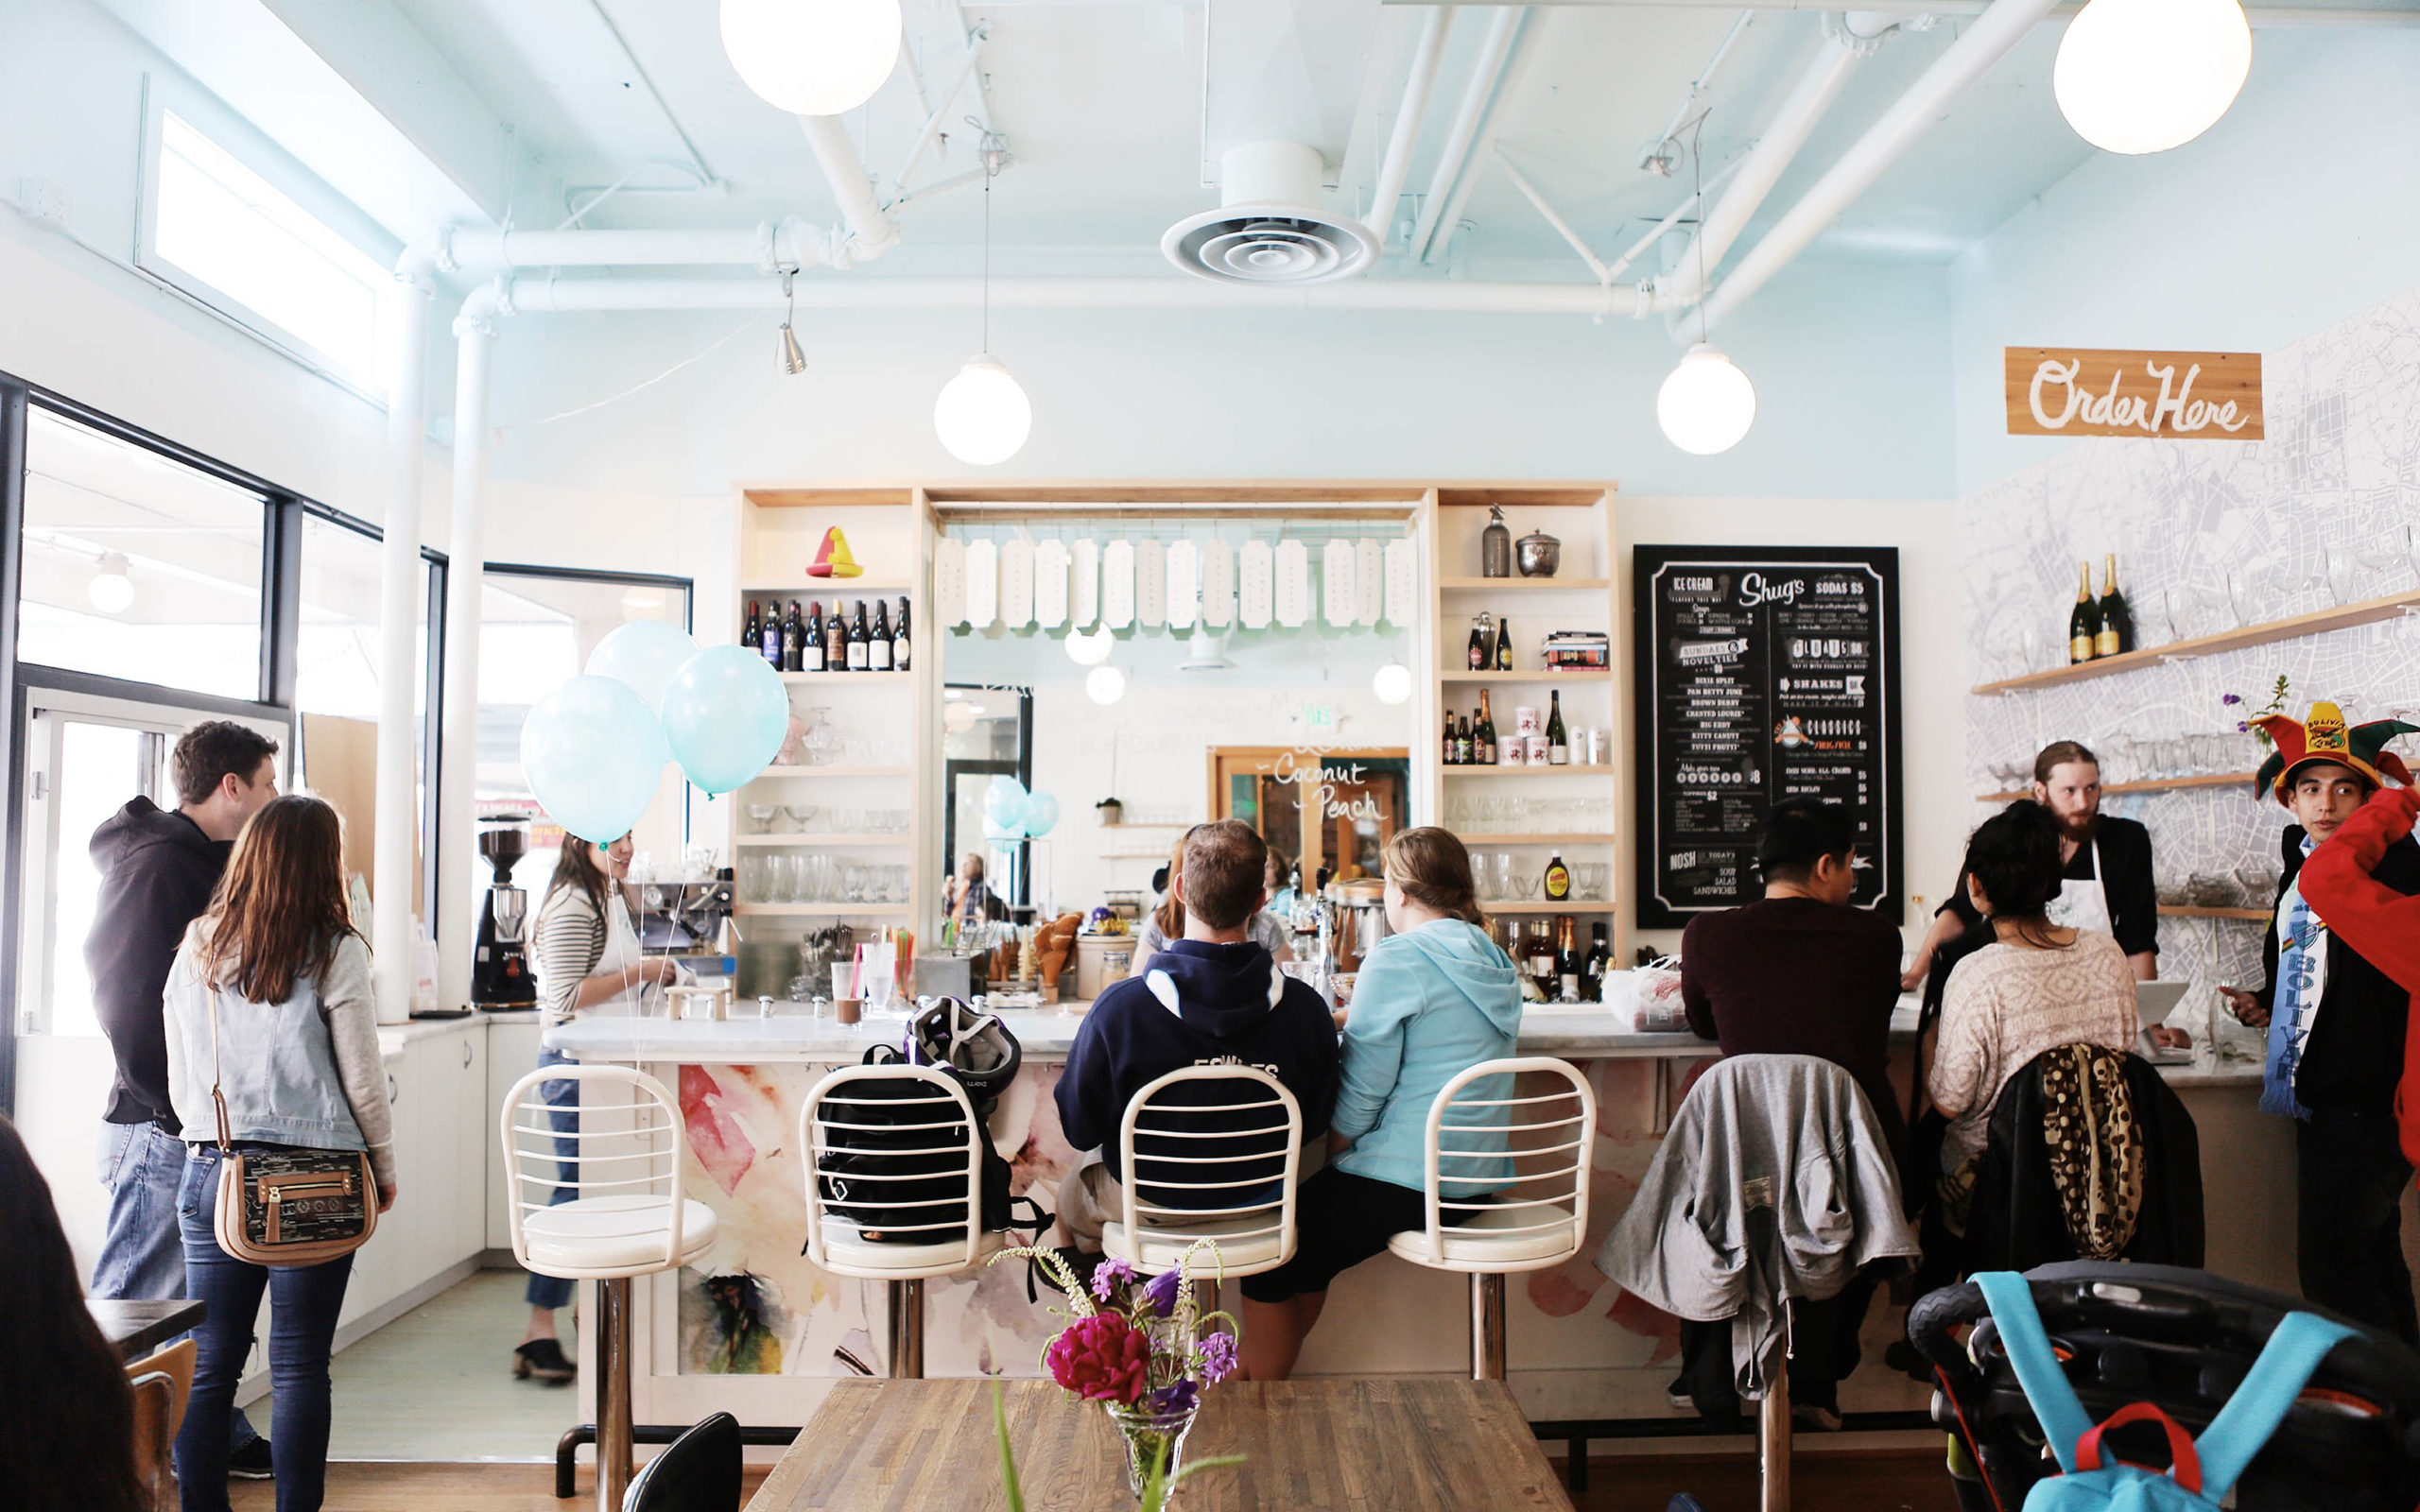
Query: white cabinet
x,y
512,1054
437,1091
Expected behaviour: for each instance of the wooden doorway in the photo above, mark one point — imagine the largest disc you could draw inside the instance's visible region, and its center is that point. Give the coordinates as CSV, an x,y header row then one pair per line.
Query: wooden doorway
x,y
1335,808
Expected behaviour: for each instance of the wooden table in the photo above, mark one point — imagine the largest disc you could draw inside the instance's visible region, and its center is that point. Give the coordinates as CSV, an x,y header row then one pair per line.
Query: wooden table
x,y
1374,1444
135,1328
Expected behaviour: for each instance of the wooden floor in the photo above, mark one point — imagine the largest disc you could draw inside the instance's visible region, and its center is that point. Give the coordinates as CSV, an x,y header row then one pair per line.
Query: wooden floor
x,y
1880,1481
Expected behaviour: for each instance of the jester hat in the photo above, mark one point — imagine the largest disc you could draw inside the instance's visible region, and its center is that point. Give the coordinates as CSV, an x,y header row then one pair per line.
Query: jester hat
x,y
2323,738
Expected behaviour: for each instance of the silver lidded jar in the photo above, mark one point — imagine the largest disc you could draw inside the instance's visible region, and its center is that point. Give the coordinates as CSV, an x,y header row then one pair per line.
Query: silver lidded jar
x,y
1496,545
1541,555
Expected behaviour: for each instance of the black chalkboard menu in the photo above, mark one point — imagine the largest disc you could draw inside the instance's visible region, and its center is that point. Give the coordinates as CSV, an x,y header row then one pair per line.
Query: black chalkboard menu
x,y
1763,672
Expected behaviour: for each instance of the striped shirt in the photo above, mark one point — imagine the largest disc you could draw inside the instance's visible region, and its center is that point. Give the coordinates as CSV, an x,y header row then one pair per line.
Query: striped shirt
x,y
567,944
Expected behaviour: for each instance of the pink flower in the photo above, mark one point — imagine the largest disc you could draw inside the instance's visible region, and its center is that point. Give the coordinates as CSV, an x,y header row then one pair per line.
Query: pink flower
x,y
1101,1359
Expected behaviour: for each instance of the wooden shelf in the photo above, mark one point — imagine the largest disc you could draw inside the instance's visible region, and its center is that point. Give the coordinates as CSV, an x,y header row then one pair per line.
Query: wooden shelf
x,y
1600,769
2344,616
1524,495
2192,911
1582,674
1544,905
823,910
869,677
2154,784
1478,842
823,587
1525,585
835,841
834,772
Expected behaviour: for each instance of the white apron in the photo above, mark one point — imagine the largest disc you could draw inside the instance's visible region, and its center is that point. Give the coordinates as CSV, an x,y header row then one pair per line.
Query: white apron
x,y
2083,903
622,957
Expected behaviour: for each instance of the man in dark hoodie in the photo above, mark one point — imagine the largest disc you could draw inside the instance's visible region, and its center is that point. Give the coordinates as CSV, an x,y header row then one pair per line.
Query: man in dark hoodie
x,y
1213,998
158,868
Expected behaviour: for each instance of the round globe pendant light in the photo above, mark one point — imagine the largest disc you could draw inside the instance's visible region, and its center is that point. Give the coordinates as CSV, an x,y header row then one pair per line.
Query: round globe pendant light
x,y
1104,684
1090,650
1391,682
2145,75
982,415
812,56
111,588
1707,404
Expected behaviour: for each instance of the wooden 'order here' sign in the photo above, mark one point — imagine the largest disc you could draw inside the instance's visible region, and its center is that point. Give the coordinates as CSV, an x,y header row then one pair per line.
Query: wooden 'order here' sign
x,y
2204,395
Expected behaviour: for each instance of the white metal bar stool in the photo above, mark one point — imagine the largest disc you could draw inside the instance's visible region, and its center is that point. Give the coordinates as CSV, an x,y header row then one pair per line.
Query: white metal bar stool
x,y
1529,1151
898,1152
1252,1225
612,1210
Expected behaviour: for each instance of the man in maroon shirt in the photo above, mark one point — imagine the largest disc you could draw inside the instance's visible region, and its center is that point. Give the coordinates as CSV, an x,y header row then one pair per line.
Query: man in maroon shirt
x,y
1801,972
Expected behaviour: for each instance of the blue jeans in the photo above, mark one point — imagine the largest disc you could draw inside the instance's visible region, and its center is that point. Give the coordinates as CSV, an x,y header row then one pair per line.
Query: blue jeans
x,y
302,1305
563,1101
143,1255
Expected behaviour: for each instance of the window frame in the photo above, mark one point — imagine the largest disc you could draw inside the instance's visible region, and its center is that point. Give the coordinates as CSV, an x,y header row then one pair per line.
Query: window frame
x,y
282,174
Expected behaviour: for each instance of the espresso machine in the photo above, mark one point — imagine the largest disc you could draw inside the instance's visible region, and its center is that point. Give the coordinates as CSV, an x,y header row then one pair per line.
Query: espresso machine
x,y
501,977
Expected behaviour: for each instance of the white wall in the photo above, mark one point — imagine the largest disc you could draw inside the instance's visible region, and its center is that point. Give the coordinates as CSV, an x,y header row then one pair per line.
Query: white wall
x,y
2300,207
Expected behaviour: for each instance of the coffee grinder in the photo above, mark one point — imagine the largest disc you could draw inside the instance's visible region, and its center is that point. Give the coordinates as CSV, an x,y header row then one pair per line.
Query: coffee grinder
x,y
500,975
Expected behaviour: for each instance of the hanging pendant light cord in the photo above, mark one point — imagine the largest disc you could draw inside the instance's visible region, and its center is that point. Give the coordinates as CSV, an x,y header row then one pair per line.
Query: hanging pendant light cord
x,y
991,154
1697,188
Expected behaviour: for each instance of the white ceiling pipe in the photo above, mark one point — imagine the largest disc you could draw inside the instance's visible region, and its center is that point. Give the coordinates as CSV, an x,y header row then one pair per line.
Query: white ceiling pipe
x,y
2275,17
1801,111
458,732
1482,147
1395,165
1910,116
871,231
535,295
406,307
1489,68
767,245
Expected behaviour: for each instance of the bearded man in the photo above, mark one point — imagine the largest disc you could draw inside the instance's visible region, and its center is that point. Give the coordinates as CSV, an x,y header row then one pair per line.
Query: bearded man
x,y
2106,884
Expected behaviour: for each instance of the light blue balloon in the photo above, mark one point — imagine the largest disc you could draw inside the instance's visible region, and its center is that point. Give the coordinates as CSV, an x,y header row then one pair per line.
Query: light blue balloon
x,y
644,654
1004,806
592,754
725,715
993,831
1041,813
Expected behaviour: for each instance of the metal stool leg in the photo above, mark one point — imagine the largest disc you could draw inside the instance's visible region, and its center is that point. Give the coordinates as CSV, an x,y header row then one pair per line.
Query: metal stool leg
x,y
613,1393
906,1330
1772,1441
1487,1327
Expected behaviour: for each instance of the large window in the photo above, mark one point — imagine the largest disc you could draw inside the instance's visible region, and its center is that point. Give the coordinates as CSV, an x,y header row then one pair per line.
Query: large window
x,y
227,235
138,566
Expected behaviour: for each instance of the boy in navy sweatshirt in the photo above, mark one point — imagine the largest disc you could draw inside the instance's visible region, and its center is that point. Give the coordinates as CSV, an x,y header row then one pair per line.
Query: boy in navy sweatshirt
x,y
1213,998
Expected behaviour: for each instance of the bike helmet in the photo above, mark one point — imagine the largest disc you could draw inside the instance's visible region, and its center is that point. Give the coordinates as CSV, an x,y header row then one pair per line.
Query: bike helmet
x,y
977,1046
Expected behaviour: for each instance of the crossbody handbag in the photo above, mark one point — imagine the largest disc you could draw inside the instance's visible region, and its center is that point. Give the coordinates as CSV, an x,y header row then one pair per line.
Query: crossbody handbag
x,y
288,1206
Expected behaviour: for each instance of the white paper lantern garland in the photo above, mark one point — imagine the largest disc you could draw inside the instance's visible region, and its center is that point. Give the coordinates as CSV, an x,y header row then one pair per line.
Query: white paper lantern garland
x,y
1151,585
1117,584
949,582
1016,583
982,583
1256,585
1217,585
1337,577
1083,583
1050,584
1184,585
1293,588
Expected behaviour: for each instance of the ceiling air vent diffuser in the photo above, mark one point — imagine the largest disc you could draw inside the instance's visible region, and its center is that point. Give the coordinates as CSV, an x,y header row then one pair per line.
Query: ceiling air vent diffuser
x,y
1270,228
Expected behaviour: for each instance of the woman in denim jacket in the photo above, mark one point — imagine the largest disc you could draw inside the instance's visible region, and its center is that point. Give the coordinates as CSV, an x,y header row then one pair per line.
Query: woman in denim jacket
x,y
297,1062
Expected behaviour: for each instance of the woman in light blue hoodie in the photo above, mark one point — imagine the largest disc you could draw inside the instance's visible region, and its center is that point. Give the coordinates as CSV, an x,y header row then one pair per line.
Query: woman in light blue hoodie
x,y
1435,998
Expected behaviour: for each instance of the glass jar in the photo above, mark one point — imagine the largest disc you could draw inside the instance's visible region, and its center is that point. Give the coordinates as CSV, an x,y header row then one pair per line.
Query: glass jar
x,y
820,745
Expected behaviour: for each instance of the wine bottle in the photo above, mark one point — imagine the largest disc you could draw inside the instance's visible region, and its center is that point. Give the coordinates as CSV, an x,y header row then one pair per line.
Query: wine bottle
x,y
1451,758
1592,971
2083,625
878,647
1503,645
811,652
1540,959
751,633
860,658
1558,879
836,641
1479,656
2116,635
1483,734
794,638
1557,743
899,638
1462,742
768,642
1566,959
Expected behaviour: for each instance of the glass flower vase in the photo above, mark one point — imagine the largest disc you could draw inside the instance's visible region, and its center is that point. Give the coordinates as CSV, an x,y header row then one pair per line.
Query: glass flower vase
x,y
1151,1437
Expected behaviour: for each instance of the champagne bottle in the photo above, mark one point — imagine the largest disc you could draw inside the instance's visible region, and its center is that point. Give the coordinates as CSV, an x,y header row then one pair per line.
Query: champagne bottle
x,y
836,641
879,646
1503,645
1566,959
899,638
1557,743
2083,625
1558,879
1483,734
2116,635
1478,644
1592,971
858,655
752,632
1451,758
811,651
1462,742
768,641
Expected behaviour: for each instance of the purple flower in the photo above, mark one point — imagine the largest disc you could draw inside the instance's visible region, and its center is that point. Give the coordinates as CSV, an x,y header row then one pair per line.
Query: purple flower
x,y
1218,1351
2230,698
1162,1289
2243,726
1108,1275
1178,1398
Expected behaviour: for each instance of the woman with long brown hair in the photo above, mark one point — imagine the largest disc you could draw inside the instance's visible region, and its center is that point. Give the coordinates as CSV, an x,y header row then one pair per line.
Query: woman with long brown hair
x,y
1434,999
270,1004
1166,923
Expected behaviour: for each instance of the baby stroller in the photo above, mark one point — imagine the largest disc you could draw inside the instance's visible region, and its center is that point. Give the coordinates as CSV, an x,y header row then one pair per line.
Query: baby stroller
x,y
2182,1341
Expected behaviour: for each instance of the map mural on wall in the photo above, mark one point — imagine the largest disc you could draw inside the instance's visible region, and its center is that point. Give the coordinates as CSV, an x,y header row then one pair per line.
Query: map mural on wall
x,y
2208,536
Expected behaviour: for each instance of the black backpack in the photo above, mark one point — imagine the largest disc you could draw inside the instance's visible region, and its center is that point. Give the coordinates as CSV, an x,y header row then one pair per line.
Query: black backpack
x,y
885,1210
